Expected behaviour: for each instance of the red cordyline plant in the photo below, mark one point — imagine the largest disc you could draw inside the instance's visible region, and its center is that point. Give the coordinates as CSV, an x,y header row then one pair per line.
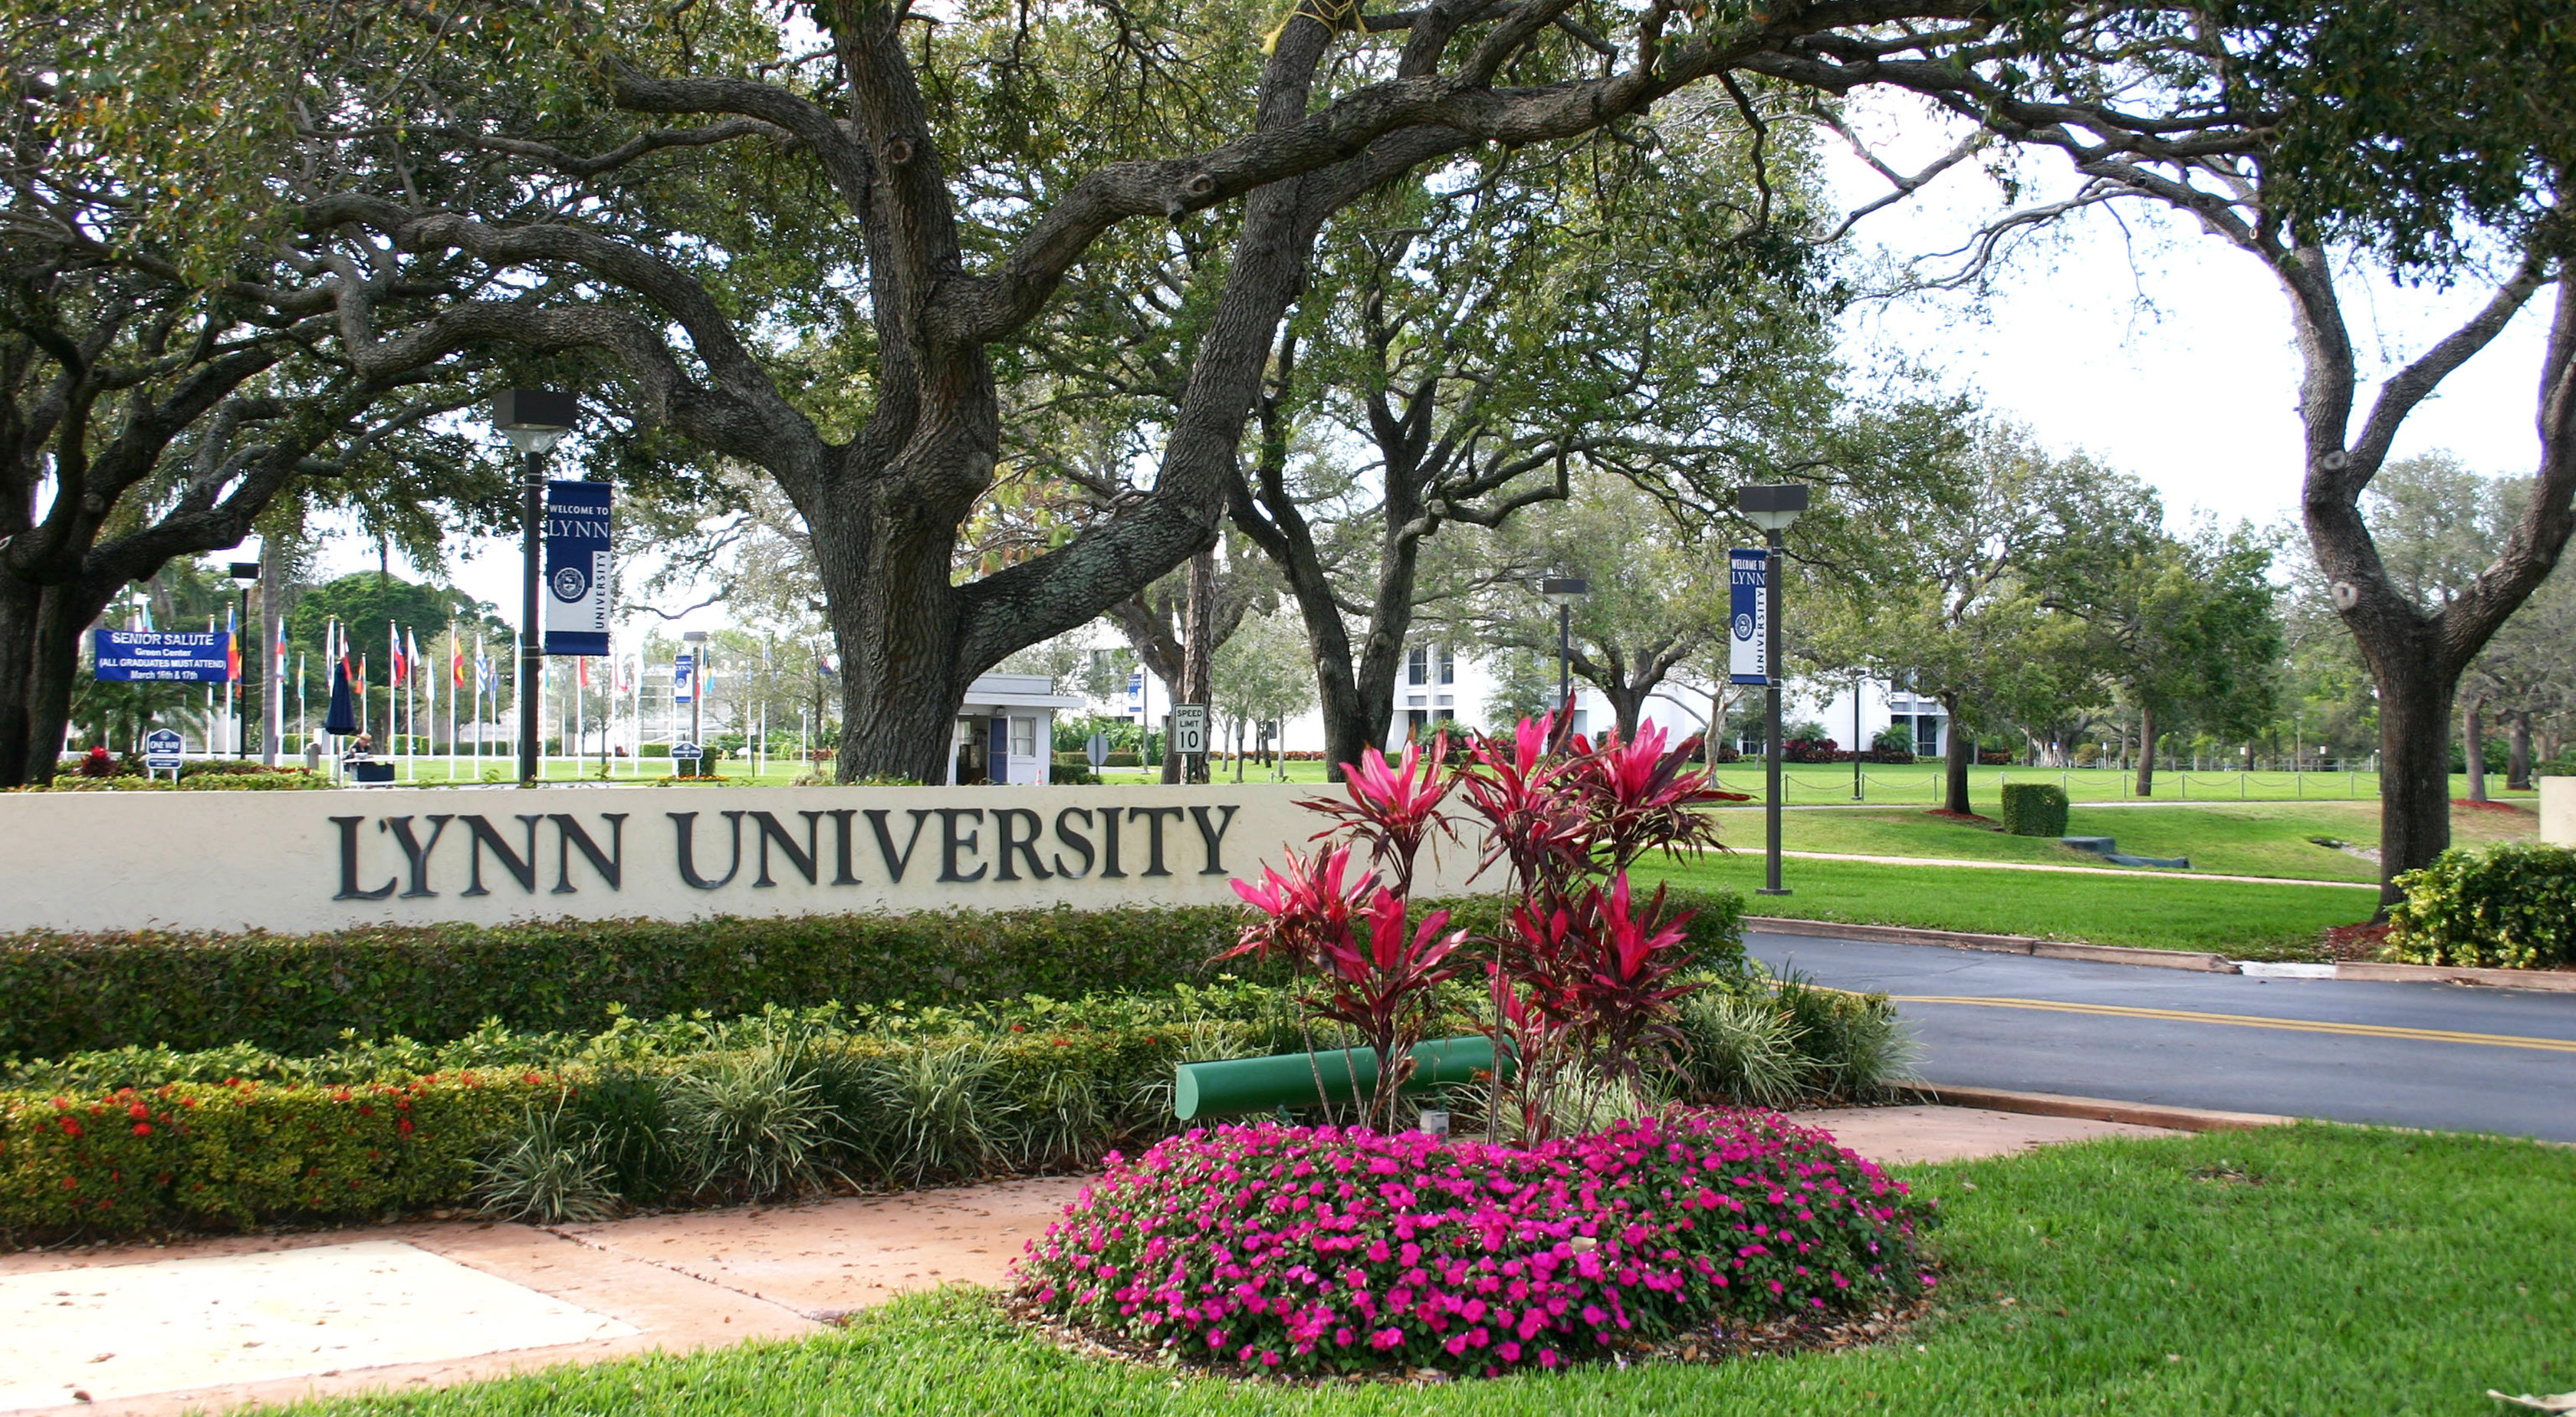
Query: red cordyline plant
x,y
1578,974
1382,986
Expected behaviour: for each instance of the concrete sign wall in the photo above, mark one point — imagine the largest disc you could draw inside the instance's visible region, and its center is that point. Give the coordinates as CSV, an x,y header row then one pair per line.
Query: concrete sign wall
x,y
302,861
2558,810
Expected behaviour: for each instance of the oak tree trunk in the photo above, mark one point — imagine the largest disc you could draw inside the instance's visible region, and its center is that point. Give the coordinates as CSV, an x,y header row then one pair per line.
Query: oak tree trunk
x,y
2517,763
19,601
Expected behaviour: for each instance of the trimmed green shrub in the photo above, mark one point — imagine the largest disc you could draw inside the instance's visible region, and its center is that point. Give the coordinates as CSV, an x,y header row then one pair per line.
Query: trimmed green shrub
x,y
2034,809
303,994
227,1156
2511,906
1121,758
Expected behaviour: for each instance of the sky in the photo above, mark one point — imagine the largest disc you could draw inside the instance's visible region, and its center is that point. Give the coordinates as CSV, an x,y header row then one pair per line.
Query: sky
x,y
2159,350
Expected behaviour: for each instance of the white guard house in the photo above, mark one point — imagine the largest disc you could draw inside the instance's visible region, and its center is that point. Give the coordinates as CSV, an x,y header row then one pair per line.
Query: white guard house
x,y
1006,730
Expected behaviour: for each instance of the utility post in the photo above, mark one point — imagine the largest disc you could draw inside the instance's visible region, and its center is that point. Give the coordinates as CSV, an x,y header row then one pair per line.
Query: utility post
x,y
534,420
1772,508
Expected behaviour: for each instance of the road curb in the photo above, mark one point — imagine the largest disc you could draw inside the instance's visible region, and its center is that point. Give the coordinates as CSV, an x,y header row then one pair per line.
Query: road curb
x,y
2550,981
2197,961
2099,1109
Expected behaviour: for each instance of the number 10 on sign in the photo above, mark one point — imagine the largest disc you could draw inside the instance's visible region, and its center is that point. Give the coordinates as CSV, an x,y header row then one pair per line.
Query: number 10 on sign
x,y
1748,619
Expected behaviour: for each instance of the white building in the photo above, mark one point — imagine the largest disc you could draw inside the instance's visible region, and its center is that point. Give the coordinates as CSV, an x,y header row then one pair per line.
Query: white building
x,y
1006,730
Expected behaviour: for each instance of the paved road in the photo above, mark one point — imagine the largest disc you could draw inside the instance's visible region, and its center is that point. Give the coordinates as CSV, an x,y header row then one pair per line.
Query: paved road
x,y
2416,1055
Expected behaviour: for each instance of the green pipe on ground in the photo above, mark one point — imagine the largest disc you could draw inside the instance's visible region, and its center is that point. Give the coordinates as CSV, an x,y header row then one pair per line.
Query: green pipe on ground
x,y
1234,1085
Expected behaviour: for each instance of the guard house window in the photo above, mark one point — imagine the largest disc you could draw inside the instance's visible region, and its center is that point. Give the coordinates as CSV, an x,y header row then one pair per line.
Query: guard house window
x,y
1417,665
1024,737
1448,666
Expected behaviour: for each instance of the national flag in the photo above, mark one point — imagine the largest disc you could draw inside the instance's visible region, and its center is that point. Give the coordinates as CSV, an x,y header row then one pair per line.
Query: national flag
x,y
280,671
584,662
455,659
428,682
394,651
482,668
232,647
362,675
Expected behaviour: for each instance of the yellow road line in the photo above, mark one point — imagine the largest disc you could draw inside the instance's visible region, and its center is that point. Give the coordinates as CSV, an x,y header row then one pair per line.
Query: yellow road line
x,y
2294,1025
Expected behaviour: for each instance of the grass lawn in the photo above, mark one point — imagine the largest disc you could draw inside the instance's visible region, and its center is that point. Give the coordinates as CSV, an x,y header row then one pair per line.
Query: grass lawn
x,y
2249,839
2238,919
2311,1270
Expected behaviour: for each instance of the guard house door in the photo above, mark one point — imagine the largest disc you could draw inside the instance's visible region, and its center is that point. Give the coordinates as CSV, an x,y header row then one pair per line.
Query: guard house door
x,y
974,751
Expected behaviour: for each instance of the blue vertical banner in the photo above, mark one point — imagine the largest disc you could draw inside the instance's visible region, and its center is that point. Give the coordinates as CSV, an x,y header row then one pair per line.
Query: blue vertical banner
x,y
684,678
578,569
1748,619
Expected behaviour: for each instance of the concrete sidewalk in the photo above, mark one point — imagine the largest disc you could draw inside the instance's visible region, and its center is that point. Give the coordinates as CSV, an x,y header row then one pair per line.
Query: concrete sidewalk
x,y
154,1331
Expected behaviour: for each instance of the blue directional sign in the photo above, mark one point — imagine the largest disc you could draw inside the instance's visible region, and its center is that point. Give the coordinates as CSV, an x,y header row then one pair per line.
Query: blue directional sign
x,y
190,657
163,750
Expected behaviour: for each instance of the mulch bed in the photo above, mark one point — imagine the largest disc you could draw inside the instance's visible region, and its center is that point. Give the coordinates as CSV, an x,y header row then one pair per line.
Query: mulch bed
x,y
2355,942
2512,807
1718,1344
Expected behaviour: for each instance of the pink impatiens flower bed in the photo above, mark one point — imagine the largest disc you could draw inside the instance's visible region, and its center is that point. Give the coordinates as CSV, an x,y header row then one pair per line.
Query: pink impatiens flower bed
x,y
1320,1249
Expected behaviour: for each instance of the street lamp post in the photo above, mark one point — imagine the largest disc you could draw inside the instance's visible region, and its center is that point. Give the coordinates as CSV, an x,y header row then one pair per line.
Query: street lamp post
x,y
534,420
1771,508
1562,592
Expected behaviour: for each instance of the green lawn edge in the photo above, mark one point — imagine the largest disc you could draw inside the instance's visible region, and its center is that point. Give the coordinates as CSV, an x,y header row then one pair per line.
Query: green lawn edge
x,y
2312,1269
2240,919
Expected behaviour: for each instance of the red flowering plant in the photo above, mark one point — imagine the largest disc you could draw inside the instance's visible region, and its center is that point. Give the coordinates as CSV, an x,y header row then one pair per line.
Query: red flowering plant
x,y
1328,1250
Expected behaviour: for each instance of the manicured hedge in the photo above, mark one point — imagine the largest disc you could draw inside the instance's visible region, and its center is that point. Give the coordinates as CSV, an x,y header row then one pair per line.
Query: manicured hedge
x,y
2511,906
2034,809
222,1156
299,994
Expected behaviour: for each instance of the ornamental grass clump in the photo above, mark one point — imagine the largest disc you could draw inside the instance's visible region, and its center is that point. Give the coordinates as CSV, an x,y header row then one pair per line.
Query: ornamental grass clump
x,y
1324,1250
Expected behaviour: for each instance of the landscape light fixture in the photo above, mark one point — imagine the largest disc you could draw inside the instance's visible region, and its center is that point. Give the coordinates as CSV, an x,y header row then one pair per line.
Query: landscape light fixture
x,y
1772,507
1562,592
534,420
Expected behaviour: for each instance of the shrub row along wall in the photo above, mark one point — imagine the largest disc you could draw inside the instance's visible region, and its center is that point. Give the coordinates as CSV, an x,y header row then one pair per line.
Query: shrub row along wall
x,y
218,1156
299,994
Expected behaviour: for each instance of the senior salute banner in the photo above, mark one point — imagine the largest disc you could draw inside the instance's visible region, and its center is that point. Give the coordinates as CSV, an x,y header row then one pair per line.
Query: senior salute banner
x,y
577,568
187,656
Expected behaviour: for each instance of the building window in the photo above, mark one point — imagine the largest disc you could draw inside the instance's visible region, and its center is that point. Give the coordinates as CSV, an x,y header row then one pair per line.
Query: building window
x,y
1417,665
1024,737
1415,720
1448,666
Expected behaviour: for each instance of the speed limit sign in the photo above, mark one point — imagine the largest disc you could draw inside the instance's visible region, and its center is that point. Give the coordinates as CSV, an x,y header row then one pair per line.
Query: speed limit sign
x,y
1190,729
